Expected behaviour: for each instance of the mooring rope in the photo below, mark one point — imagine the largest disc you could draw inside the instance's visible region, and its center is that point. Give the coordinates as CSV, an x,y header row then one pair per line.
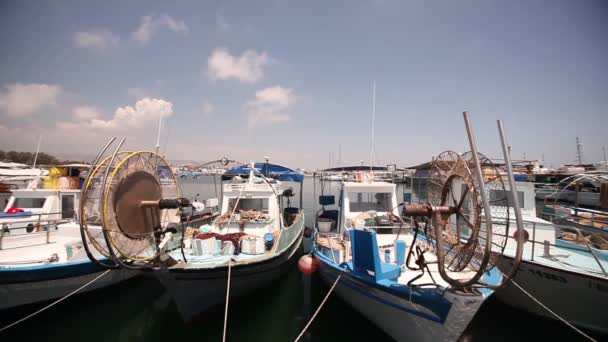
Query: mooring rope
x,y
318,309
55,302
227,298
553,313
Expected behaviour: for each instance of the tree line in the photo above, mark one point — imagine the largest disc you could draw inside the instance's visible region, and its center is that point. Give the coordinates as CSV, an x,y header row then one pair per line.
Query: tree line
x,y
28,158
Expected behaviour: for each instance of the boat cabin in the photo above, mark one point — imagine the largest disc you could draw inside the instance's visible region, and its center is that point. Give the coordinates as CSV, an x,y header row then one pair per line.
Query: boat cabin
x,y
51,199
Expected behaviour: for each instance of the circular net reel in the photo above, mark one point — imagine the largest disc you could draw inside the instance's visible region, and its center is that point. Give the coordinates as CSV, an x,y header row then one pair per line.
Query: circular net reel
x,y
498,198
459,233
141,176
114,197
92,200
452,184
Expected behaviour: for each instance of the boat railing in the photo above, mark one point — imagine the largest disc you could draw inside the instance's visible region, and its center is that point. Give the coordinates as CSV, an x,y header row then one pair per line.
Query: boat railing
x,y
583,247
35,225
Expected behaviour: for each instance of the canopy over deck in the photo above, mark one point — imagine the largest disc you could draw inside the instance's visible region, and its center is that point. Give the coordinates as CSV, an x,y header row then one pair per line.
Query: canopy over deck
x,y
279,172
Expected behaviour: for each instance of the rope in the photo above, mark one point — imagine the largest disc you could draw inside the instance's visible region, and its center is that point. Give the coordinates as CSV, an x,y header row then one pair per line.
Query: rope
x,y
554,314
227,298
318,309
53,303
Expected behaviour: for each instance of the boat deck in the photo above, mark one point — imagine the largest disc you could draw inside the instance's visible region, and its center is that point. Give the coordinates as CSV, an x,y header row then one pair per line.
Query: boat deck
x,y
30,249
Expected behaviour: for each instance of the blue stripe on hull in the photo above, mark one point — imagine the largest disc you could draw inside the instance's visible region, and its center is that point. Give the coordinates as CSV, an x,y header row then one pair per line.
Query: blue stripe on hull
x,y
27,274
423,297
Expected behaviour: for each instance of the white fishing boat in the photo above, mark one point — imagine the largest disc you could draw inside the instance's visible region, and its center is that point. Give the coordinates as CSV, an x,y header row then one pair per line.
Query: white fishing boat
x,y
41,251
562,267
252,242
422,281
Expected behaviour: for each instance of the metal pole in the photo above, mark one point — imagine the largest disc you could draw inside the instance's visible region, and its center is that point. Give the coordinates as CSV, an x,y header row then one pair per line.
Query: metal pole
x,y
482,190
516,205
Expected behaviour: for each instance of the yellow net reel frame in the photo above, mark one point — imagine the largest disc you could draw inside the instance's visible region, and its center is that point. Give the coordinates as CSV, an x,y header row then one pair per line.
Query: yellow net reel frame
x,y
84,200
107,204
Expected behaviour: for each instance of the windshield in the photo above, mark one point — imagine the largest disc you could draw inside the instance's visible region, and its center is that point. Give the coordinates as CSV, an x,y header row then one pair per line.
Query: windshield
x,y
366,201
29,203
249,204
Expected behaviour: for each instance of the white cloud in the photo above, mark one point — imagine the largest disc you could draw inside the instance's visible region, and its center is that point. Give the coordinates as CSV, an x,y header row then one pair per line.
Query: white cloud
x,y
149,24
208,108
83,113
25,99
145,111
221,23
246,68
271,105
99,39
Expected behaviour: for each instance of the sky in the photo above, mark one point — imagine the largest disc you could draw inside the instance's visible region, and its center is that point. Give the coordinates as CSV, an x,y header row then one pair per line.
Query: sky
x,y
292,80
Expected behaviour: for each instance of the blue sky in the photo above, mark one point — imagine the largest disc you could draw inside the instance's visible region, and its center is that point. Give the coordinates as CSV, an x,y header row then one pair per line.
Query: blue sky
x,y
293,80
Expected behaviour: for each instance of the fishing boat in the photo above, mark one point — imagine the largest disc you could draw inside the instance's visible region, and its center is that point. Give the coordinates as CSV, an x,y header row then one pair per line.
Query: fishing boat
x,y
563,266
41,252
252,242
422,278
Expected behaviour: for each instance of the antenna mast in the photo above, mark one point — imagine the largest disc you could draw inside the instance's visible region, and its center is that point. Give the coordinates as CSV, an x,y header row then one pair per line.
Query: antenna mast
x,y
371,165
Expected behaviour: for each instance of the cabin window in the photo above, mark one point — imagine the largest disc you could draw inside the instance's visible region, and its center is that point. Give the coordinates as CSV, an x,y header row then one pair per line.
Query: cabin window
x,y
497,197
29,203
366,201
67,206
249,204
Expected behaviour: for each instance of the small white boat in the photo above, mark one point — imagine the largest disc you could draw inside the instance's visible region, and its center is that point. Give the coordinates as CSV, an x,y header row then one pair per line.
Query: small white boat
x,y
254,211
41,251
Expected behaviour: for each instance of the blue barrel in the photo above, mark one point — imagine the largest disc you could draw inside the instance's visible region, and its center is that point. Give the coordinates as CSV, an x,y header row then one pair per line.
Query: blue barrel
x,y
268,240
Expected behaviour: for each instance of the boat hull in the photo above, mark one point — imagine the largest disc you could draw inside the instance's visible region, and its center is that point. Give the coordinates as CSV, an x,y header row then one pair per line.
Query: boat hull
x,y
14,294
196,290
399,317
576,297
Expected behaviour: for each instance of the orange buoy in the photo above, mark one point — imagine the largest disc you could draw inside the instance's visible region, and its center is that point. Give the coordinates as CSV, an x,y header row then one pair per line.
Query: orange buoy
x,y
307,264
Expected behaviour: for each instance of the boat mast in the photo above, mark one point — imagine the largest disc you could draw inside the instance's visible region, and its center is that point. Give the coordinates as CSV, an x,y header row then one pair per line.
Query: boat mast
x,y
160,122
37,151
371,165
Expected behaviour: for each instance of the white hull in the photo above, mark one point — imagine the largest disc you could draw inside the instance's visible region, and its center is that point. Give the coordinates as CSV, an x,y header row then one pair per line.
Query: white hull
x,y
195,291
17,294
580,299
397,322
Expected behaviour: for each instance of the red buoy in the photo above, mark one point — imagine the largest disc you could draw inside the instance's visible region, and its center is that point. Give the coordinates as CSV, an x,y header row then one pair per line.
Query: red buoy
x,y
307,264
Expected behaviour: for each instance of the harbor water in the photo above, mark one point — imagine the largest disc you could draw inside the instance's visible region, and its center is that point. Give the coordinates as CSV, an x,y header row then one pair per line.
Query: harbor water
x,y
141,310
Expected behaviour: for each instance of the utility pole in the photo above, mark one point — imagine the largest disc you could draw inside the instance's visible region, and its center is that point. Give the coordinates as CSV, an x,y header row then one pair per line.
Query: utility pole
x,y
579,151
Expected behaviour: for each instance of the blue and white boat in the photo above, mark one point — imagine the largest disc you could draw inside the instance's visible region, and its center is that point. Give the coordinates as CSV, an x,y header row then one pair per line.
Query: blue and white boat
x,y
373,251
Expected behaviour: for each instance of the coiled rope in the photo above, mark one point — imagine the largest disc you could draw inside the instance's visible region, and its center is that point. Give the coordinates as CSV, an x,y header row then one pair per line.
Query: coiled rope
x,y
553,313
318,309
55,302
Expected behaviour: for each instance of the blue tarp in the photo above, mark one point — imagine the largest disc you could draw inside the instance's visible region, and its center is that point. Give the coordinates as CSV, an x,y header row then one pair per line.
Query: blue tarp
x,y
279,172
